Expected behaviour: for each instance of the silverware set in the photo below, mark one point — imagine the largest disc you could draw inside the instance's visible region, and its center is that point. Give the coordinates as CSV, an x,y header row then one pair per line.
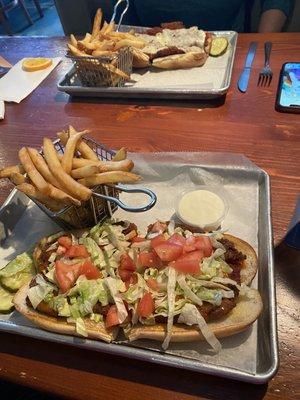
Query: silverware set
x,y
265,75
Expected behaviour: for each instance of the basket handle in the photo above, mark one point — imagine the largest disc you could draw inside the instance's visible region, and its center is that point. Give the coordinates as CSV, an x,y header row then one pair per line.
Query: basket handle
x,y
124,206
123,12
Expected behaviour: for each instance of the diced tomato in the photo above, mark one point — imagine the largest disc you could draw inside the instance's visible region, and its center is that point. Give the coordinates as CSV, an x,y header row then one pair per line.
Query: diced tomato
x,y
158,226
112,317
127,263
188,249
189,263
90,271
124,274
152,283
146,306
65,241
168,251
190,241
148,259
137,239
61,250
77,250
159,239
204,243
66,275
177,239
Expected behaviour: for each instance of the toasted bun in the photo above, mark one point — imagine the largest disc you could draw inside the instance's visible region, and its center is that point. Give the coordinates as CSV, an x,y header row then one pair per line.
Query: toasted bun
x,y
178,61
249,267
94,330
240,318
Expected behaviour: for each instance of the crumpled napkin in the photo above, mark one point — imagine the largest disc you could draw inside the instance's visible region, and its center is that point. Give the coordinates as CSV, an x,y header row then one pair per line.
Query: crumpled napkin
x,y
18,84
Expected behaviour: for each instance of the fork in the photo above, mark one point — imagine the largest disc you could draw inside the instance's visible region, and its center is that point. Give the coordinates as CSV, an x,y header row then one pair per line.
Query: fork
x,y
266,74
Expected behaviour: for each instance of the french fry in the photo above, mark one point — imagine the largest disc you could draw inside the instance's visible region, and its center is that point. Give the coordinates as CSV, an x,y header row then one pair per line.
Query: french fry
x,y
31,191
82,162
32,172
66,181
110,27
120,155
66,161
77,52
73,40
17,178
104,26
116,71
42,166
7,171
65,198
139,44
123,165
83,147
97,24
85,171
105,53
110,177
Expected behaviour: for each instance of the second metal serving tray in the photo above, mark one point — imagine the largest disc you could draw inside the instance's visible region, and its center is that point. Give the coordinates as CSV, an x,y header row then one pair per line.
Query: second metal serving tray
x,y
197,89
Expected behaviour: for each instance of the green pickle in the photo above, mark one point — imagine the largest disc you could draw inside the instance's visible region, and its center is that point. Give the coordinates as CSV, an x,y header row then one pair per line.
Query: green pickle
x,y
6,304
17,272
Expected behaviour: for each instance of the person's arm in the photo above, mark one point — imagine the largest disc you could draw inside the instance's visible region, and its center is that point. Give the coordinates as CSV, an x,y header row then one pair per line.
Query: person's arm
x,y
274,15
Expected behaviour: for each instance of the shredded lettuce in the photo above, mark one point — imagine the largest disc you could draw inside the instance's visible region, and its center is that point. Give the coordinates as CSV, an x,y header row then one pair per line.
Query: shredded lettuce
x,y
80,327
94,250
96,317
171,305
189,294
190,315
112,286
36,294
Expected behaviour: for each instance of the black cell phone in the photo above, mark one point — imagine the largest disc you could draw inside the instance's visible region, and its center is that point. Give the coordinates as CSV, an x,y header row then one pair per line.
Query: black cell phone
x,y
288,92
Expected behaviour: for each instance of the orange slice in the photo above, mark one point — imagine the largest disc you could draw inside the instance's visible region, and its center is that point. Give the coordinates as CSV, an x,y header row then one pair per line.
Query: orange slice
x,y
36,64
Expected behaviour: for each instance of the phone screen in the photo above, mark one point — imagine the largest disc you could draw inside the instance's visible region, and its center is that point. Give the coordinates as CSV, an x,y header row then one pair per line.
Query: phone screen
x,y
290,85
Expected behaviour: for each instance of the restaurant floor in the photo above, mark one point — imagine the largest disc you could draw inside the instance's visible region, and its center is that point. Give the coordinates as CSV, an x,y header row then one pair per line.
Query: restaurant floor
x,y
49,25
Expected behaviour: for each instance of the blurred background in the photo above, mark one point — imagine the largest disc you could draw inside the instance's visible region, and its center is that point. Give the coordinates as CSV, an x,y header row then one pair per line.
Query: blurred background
x,y
59,17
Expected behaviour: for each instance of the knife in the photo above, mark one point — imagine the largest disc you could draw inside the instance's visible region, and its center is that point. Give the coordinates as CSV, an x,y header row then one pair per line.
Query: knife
x,y
244,78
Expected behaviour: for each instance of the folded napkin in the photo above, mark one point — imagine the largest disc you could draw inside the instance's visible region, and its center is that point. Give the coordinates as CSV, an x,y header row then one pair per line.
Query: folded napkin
x,y
18,84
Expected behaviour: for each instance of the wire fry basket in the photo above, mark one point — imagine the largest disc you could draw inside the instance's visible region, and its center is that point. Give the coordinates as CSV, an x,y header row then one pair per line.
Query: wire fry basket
x,y
103,202
99,71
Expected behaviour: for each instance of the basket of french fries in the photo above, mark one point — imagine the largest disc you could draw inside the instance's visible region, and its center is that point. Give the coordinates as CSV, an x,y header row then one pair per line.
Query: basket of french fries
x,y
104,56
75,180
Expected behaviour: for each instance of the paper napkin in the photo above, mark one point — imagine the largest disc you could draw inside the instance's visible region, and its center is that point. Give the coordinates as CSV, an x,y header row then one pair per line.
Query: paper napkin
x,y
18,84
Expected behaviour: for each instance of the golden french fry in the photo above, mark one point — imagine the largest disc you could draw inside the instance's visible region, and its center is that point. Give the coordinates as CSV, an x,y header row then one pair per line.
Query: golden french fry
x,y
31,191
7,171
116,71
66,181
86,46
83,147
107,45
82,162
42,166
110,177
107,53
139,44
65,198
66,161
32,172
85,171
110,28
73,40
104,26
123,165
77,52
97,24
17,178
131,32
120,155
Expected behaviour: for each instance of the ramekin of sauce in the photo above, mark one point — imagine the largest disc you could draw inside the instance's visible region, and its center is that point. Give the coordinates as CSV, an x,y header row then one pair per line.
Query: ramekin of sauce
x,y
204,207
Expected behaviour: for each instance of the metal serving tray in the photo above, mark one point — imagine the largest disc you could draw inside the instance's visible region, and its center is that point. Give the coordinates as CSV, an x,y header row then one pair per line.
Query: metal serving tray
x,y
18,213
72,84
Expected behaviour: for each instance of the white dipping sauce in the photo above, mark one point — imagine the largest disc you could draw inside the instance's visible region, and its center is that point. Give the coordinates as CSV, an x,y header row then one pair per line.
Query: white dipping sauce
x,y
201,208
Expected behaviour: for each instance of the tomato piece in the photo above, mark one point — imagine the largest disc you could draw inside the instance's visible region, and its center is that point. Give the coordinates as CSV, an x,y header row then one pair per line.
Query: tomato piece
x,y
189,263
146,306
152,283
133,279
159,239
188,249
61,250
148,259
127,263
137,239
89,270
77,250
124,274
177,239
65,241
168,251
112,317
66,275
204,243
190,241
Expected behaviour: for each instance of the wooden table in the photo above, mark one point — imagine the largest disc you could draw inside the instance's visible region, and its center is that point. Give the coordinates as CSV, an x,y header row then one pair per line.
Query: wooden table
x,y
244,123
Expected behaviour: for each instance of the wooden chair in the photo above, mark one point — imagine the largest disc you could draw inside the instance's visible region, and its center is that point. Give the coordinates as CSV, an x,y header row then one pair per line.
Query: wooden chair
x,y
6,7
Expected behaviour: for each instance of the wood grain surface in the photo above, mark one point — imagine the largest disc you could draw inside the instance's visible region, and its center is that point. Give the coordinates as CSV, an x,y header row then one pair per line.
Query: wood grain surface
x,y
241,123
